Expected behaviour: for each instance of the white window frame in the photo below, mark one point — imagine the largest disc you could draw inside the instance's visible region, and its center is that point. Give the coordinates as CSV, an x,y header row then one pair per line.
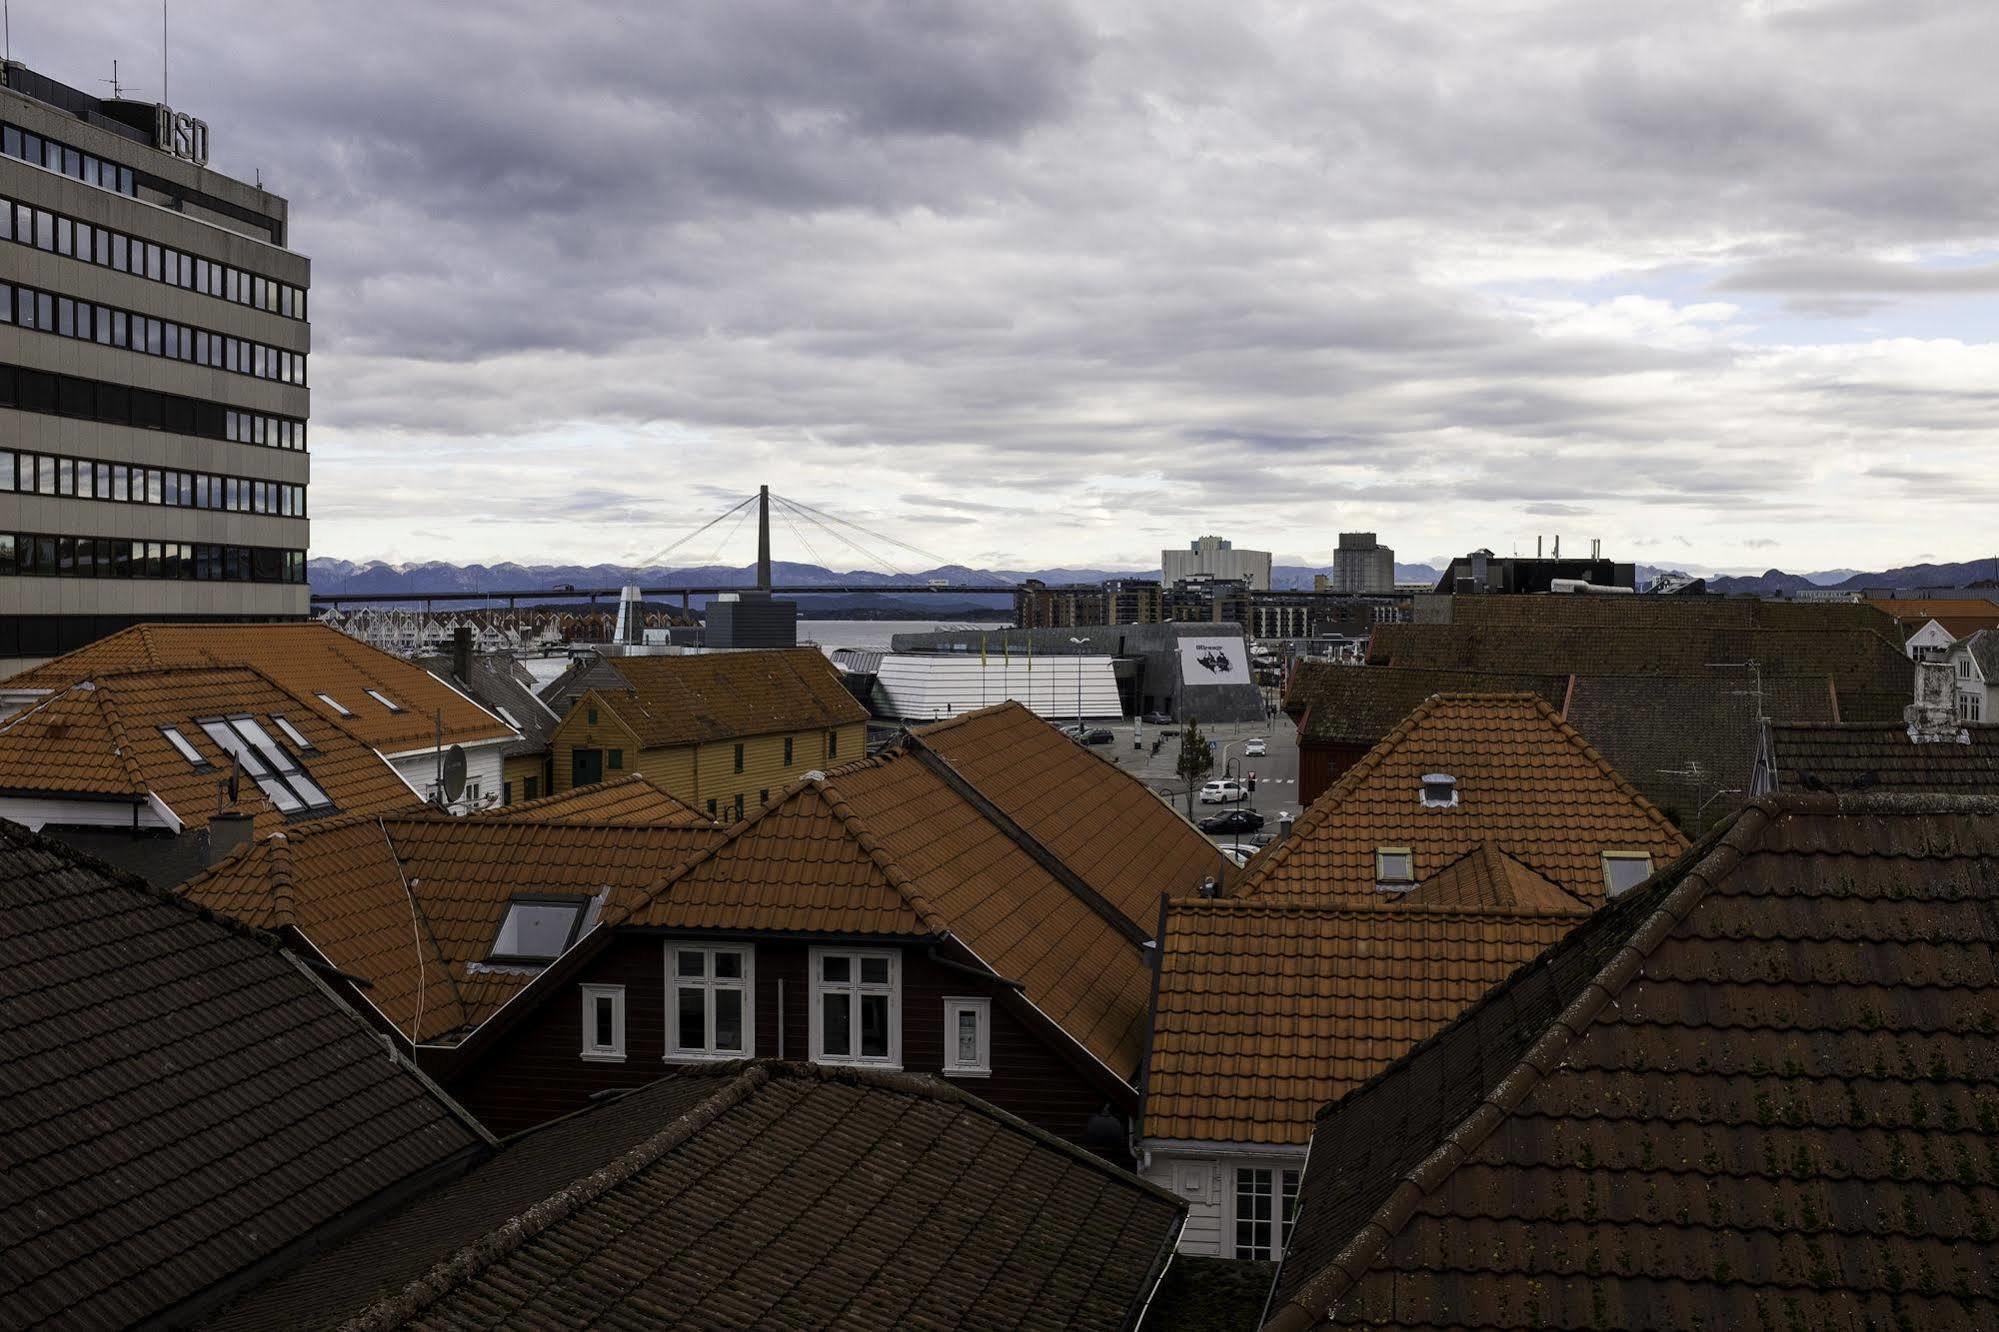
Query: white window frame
x,y
182,747
334,703
818,988
1437,779
1970,707
1286,1183
982,1066
1609,888
709,983
1381,877
291,732
614,1053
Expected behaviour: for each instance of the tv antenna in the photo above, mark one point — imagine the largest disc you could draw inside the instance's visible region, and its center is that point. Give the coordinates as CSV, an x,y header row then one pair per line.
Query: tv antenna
x,y
118,88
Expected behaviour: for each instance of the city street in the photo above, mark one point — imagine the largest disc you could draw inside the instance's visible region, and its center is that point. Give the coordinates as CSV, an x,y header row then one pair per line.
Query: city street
x,y
1276,772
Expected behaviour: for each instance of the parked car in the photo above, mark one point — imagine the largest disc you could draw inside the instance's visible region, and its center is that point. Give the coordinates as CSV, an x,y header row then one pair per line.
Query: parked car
x,y
1255,748
1097,735
1239,852
1232,821
1259,840
1222,791
1156,719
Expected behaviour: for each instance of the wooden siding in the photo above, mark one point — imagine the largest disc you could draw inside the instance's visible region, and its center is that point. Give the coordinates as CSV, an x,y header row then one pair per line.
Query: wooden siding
x,y
1320,765
518,768
700,773
537,1072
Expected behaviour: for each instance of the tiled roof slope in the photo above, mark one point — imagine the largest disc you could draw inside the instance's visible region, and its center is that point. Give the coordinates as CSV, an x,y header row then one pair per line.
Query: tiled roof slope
x,y
101,738
1864,758
1265,1013
178,1099
1067,796
795,1196
1861,663
1672,614
1760,1091
1984,649
633,798
887,847
412,904
1487,877
498,683
304,660
682,700
1526,782
1960,617
1341,704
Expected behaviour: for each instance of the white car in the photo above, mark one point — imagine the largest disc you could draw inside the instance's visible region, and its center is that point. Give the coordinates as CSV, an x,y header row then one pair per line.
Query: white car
x,y
1223,791
1238,852
1255,748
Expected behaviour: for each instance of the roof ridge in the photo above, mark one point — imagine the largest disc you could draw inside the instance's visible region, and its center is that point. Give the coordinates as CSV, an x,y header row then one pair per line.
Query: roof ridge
x,y
283,879
1324,1288
899,878
514,1233
1374,911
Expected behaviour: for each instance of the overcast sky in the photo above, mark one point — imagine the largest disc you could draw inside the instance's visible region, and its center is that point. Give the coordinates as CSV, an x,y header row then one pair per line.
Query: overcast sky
x,y
1031,284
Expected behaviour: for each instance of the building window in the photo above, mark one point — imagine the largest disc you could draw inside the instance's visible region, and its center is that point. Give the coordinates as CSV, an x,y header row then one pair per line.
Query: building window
x,y
832,744
538,929
739,806
590,717
1266,1202
277,774
604,1023
530,788
383,699
506,793
1394,868
968,1036
1970,707
787,751
739,756
1625,870
711,807
291,732
856,1007
1964,668
334,703
763,796
1440,790
711,1001
183,748
615,758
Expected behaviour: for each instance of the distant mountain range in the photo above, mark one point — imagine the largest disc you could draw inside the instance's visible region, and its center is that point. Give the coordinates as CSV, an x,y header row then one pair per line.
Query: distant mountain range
x,y
331,577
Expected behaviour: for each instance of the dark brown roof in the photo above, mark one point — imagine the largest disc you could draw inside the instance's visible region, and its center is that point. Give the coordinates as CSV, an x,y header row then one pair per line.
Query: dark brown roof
x,y
1340,704
1666,614
1102,822
1864,758
179,1099
762,1196
691,698
1760,1090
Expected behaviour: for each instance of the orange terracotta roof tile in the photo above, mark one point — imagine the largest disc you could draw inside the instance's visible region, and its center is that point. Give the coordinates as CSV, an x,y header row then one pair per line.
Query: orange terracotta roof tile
x,y
1267,1012
631,799
306,660
889,847
105,737
679,700
1105,824
1486,876
412,904
1526,781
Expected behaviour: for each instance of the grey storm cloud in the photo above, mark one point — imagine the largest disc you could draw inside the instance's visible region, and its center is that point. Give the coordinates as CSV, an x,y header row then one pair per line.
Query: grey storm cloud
x,y
1052,279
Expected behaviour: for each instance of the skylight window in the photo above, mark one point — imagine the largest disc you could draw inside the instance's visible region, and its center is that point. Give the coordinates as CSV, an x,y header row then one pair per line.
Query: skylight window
x,y
383,699
277,774
507,717
1625,870
1440,790
334,703
183,748
538,929
1394,868
291,732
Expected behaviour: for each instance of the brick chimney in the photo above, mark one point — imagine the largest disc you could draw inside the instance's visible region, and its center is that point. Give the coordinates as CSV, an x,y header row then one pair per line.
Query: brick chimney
x,y
227,831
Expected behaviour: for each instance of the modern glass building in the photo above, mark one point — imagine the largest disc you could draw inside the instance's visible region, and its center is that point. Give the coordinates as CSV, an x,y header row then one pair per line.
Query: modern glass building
x,y
154,343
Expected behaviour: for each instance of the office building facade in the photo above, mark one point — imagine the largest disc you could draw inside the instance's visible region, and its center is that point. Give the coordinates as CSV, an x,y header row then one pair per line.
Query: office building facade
x,y
153,377
1216,558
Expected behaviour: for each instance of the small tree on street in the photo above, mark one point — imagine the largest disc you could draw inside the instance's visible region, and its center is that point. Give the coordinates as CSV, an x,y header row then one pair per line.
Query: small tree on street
x,y
1195,762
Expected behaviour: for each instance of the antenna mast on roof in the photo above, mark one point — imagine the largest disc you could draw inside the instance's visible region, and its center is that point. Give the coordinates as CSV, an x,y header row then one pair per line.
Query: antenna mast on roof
x,y
118,88
163,50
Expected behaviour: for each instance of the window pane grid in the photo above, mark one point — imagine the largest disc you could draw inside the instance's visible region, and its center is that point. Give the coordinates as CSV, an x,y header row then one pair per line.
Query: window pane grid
x,y
710,1001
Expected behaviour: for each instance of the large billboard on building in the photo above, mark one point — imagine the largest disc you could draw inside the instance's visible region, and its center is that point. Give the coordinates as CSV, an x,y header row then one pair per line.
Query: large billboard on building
x,y
1213,661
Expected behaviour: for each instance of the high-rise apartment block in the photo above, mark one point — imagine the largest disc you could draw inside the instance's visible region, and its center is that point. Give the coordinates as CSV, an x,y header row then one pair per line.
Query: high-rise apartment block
x,y
153,399
1362,564
1213,557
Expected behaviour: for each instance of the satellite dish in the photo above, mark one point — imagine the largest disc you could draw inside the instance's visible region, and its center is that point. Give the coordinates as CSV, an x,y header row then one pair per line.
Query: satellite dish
x,y
454,773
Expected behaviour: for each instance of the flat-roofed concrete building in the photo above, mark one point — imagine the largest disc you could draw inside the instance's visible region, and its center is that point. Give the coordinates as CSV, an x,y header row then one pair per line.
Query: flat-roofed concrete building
x,y
153,399
1362,564
1216,558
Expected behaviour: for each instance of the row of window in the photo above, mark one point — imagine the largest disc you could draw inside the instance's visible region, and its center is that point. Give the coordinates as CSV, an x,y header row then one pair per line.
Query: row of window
x,y
275,770
1395,866
110,326
34,555
1970,707
89,478
855,999
67,161
117,404
58,234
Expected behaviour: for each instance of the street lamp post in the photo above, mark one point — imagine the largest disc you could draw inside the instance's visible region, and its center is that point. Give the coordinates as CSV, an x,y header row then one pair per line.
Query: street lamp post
x,y
1078,644
1225,769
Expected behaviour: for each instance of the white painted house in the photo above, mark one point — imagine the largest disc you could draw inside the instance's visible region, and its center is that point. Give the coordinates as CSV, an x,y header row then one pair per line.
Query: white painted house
x,y
1974,668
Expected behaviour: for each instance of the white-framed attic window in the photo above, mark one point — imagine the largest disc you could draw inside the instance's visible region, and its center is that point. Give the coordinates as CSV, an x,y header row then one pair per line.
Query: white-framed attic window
x,y
1625,870
604,1023
968,1037
1439,791
1394,868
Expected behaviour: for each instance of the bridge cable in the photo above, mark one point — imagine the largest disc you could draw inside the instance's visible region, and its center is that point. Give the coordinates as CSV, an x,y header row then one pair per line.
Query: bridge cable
x,y
653,559
871,556
936,559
